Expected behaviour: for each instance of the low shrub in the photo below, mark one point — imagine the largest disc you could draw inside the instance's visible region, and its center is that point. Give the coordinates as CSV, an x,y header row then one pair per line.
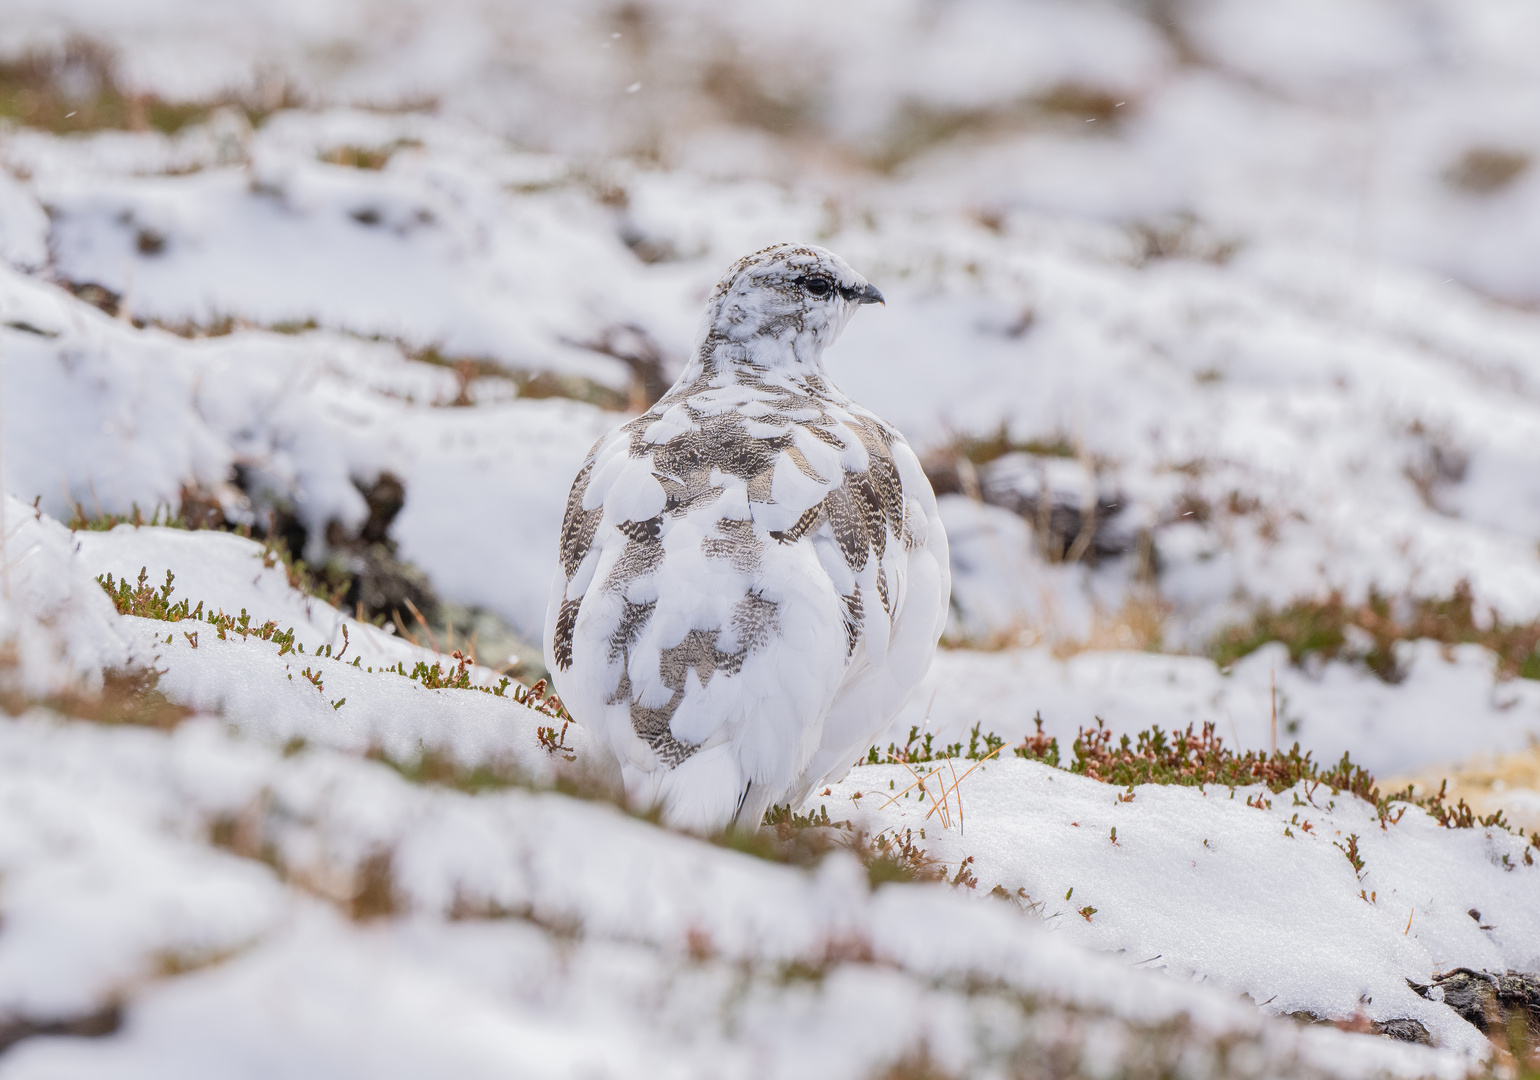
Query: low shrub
x,y
1325,628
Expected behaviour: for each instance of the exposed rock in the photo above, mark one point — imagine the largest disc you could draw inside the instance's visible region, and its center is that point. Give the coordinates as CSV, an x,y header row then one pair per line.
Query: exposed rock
x,y
1411,1031
359,569
1072,519
95,1024
1402,1029
379,583
386,496
1495,1004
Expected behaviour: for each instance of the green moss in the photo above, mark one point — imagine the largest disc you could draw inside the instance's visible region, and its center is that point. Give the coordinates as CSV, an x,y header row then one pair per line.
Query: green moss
x,y
161,517
435,767
917,748
372,158
1321,628
127,697
982,449
147,601
76,89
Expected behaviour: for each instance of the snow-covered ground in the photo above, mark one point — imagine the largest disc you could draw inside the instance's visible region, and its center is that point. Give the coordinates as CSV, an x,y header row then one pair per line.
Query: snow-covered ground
x,y
1253,283
193,880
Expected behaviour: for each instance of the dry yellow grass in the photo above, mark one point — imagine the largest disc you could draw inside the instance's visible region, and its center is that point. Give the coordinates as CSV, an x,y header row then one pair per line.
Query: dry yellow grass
x,y
1136,625
1489,782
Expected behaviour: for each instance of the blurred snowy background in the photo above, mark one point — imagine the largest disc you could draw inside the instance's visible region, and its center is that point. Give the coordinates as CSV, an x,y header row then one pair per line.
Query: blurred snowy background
x,y
1217,324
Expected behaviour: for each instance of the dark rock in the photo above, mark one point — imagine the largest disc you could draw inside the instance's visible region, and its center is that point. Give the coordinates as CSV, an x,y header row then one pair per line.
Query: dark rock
x,y
1063,526
1402,1029
1493,1003
92,1025
272,513
382,584
386,496
358,570
1411,1031
1518,993
378,582
201,509
1069,526
1472,994
98,296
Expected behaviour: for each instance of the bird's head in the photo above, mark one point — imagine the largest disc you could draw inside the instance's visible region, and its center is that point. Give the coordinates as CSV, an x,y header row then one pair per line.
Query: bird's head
x,y
787,301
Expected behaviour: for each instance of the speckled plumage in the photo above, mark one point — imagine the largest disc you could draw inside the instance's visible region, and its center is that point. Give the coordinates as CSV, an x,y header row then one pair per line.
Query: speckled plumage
x,y
753,576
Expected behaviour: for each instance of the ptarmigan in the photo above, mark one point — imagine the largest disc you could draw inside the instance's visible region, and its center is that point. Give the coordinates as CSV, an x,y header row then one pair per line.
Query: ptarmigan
x,y
753,574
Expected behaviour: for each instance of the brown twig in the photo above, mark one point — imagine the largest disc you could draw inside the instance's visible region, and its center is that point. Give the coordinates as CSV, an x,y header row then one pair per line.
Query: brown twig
x,y
1272,694
395,617
422,622
959,779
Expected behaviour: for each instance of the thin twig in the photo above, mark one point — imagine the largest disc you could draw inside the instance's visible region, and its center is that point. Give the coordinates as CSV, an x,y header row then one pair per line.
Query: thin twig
x,y
1272,694
911,787
925,788
422,622
395,617
975,765
5,562
900,794
945,795
955,783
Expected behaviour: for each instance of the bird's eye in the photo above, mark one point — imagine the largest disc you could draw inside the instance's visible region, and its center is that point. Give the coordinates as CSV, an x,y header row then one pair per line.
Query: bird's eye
x,y
819,287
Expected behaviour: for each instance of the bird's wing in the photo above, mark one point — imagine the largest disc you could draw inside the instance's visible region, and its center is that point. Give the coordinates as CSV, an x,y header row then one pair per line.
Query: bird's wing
x,y
895,653
728,561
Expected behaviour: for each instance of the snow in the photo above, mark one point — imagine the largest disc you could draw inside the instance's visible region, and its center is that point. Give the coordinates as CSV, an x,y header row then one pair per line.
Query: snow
x,y
658,917
485,497
251,684
93,899
57,629
1297,935
137,417
23,226
655,923
1276,300
407,255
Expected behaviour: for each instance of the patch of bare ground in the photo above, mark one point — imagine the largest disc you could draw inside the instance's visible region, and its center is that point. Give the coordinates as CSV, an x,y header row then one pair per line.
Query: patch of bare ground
x,y
77,87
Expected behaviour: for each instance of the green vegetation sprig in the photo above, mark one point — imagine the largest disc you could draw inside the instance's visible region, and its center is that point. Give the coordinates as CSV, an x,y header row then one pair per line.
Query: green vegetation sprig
x,y
1321,628
151,602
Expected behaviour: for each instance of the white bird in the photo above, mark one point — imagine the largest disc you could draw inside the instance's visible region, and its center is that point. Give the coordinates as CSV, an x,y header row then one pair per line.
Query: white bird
x,y
753,574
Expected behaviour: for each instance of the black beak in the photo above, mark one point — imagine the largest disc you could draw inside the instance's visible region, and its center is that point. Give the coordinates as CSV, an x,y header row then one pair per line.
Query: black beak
x,y
867,295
